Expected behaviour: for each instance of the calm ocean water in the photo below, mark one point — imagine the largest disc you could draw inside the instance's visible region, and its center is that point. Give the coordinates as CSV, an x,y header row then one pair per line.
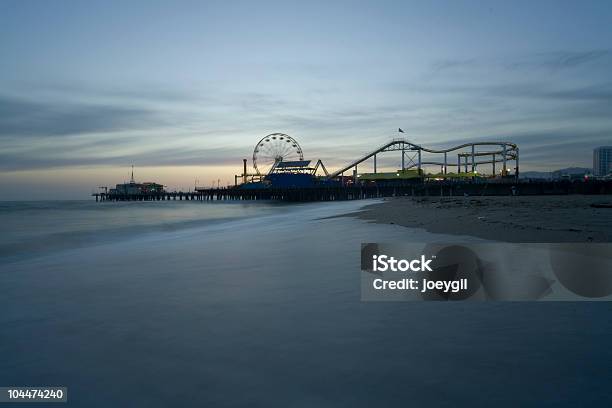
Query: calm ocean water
x,y
38,227
258,304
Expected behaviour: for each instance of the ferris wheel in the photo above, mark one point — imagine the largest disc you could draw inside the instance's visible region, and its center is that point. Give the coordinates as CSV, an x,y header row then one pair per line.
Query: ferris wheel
x,y
274,148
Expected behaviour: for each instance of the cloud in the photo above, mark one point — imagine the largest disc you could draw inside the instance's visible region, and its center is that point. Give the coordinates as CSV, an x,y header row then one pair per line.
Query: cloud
x,y
559,60
448,64
549,61
25,118
156,127
598,93
563,92
45,159
61,132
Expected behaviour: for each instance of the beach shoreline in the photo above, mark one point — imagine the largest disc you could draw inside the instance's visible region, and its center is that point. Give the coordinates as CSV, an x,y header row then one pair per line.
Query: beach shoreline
x,y
566,218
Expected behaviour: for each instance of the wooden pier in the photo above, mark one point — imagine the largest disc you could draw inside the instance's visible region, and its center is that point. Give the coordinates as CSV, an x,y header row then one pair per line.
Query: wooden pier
x,y
358,192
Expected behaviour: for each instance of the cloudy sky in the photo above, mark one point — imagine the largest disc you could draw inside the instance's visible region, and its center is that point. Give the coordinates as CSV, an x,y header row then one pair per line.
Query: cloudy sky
x,y
183,90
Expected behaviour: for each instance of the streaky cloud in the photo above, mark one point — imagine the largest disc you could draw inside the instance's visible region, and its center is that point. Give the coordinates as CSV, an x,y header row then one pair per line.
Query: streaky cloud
x,y
559,60
163,157
25,118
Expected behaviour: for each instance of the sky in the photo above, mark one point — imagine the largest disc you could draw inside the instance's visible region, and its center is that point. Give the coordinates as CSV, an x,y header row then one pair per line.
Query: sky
x,y
184,90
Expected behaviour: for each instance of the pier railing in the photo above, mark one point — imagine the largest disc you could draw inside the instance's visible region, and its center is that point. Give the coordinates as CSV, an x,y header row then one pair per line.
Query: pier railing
x,y
363,191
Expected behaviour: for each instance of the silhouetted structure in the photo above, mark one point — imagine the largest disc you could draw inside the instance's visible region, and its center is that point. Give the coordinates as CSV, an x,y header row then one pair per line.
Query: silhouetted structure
x,y
133,188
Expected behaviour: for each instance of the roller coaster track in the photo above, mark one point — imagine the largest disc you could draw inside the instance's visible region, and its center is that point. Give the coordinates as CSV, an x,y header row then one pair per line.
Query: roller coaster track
x,y
507,151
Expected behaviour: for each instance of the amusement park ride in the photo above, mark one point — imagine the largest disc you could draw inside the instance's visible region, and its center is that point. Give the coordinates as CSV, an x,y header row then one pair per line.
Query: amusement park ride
x,y
279,157
278,160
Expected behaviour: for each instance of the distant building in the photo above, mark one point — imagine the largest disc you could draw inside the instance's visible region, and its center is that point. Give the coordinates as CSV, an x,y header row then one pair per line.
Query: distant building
x,y
133,188
602,161
137,188
571,173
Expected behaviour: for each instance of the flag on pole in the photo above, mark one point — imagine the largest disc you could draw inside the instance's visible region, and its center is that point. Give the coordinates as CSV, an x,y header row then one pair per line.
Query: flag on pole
x,y
400,130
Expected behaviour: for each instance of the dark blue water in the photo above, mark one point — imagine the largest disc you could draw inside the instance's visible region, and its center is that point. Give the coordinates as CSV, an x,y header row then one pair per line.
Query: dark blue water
x,y
33,228
262,308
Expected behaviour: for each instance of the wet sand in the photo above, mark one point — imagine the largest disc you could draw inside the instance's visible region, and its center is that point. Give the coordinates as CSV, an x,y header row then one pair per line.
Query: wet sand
x,y
568,218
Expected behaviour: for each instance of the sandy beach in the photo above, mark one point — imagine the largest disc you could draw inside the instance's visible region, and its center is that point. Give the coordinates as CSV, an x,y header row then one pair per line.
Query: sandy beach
x,y
569,218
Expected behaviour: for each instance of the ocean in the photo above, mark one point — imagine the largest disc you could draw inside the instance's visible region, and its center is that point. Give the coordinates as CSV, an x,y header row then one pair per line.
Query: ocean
x,y
258,304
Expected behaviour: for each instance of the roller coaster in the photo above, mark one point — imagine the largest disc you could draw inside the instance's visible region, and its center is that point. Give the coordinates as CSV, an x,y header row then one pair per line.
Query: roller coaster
x,y
468,156
278,159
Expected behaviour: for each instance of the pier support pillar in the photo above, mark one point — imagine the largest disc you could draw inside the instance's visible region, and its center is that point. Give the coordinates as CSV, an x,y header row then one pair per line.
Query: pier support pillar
x,y
445,163
244,171
494,165
473,159
516,171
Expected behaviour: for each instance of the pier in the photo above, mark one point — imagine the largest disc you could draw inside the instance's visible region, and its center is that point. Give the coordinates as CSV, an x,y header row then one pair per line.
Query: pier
x,y
358,192
479,168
